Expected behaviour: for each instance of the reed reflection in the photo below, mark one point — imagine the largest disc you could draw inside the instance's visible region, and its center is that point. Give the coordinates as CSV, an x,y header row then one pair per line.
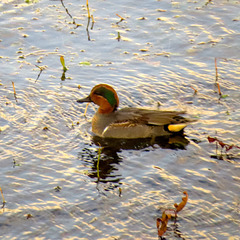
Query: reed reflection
x,y
104,159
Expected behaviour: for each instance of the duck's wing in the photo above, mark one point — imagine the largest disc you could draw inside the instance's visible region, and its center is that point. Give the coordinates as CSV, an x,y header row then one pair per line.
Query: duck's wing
x,y
142,123
151,117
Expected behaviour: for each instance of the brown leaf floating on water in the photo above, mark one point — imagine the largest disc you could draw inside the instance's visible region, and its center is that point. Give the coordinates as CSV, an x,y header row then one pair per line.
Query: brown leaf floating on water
x,y
170,213
182,204
162,224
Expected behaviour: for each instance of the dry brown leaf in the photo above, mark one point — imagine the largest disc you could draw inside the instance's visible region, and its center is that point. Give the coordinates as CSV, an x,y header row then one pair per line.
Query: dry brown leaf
x,y
182,204
162,225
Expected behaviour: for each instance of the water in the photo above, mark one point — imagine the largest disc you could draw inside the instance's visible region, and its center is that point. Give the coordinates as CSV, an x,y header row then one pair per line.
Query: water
x,y
45,141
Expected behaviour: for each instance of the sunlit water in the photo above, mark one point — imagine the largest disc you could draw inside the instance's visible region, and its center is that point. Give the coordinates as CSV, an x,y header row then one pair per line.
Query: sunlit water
x,y
165,49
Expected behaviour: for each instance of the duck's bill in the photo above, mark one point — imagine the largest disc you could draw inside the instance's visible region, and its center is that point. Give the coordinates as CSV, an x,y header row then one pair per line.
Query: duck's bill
x,y
86,99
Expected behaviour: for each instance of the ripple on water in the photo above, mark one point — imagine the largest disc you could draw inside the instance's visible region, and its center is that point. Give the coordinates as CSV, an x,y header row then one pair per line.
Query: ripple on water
x,y
49,160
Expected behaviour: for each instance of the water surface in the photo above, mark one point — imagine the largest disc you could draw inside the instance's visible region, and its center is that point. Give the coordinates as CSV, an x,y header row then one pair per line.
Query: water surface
x,y
166,47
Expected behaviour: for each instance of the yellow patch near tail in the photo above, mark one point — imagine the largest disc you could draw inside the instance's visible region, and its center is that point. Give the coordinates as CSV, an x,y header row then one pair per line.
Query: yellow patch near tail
x,y
176,127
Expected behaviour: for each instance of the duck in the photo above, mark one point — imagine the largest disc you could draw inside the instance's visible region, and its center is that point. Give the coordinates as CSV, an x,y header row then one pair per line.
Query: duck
x,y
130,123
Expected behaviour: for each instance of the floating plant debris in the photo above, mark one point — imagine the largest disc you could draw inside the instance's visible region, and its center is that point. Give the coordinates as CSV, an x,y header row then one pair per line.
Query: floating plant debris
x,y
3,202
14,91
170,213
223,146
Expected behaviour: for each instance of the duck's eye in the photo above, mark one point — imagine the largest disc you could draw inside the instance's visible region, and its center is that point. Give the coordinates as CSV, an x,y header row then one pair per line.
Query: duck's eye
x,y
97,92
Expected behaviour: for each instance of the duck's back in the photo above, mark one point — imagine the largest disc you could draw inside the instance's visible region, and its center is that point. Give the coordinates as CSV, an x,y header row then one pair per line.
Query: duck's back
x,y
130,123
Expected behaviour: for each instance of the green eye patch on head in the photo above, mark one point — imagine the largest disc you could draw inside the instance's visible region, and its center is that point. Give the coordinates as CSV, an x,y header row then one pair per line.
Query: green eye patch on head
x,y
107,94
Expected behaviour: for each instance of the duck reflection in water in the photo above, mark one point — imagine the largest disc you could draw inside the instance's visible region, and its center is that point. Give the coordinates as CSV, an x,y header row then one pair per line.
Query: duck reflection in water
x,y
105,169
103,166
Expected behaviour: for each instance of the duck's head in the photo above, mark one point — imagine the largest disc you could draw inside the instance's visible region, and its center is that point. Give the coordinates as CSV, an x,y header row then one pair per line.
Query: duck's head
x,y
104,96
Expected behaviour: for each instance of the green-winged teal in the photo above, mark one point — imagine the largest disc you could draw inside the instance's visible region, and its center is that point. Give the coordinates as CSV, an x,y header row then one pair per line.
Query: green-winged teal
x,y
130,123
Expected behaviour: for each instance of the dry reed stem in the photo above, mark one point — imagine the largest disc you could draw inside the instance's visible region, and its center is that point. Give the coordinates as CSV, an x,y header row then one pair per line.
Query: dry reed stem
x,y
195,90
89,16
216,69
120,16
2,197
219,90
85,112
14,91
68,12
92,19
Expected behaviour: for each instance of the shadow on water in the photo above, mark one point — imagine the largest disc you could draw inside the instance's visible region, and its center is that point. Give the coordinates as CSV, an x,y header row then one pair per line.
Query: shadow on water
x,y
116,145
106,170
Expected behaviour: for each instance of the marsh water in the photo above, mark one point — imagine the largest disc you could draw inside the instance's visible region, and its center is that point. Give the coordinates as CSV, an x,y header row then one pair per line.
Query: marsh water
x,y
56,182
